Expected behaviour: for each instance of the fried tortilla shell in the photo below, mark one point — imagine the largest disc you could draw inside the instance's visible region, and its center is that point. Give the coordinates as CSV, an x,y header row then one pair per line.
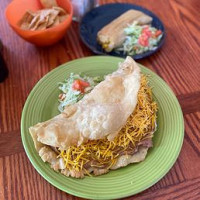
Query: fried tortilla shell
x,y
49,155
100,114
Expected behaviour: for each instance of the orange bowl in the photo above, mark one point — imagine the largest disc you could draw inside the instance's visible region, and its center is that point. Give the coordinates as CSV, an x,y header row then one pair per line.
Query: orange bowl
x,y
17,8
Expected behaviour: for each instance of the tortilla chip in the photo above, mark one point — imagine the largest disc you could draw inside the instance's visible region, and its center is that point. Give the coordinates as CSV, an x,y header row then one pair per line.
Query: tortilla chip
x,y
42,19
56,21
52,17
48,3
61,10
34,23
62,18
26,20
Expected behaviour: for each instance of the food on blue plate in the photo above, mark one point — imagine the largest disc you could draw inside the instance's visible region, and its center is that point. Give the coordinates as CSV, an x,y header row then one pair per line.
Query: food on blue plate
x,y
110,127
42,19
139,39
112,35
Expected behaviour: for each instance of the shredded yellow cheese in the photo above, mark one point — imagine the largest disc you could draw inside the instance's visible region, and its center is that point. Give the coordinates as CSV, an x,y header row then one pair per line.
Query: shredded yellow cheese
x,y
103,153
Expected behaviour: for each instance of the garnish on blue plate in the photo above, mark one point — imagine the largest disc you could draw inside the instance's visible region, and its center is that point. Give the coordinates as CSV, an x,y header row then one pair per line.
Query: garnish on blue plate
x,y
130,33
139,39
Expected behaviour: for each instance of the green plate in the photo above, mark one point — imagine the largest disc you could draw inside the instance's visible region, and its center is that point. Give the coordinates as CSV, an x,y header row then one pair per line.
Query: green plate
x,y
134,178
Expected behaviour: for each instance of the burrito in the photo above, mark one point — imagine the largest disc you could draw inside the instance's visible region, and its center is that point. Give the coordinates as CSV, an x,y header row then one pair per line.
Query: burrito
x,y
112,35
109,128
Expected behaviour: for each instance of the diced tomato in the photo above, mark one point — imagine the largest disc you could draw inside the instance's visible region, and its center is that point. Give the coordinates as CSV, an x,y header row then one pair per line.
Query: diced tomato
x,y
146,31
158,32
143,40
84,83
80,85
76,85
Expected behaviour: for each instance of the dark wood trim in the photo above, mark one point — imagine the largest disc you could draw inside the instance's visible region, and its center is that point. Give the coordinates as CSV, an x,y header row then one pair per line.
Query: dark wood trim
x,y
190,103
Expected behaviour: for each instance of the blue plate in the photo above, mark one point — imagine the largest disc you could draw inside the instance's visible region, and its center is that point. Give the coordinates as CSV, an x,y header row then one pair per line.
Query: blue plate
x,y
97,18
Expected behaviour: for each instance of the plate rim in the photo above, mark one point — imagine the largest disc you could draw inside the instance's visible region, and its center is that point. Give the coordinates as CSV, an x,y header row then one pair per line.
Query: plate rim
x,y
136,56
74,192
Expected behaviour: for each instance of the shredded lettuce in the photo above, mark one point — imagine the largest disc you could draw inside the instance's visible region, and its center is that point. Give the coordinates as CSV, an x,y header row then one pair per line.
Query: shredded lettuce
x,y
70,96
132,46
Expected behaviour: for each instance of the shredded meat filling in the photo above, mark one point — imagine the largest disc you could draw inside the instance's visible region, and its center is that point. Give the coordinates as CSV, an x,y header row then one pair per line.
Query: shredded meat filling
x,y
131,150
